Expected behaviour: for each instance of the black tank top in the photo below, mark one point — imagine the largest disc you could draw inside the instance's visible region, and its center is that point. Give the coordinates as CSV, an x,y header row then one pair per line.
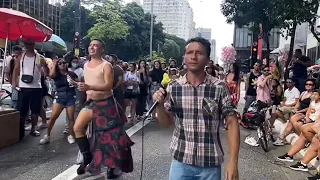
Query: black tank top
x,y
252,89
304,103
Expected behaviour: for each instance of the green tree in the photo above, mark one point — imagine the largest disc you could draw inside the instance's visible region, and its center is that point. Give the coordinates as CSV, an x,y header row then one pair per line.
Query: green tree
x,y
136,45
291,13
170,49
252,13
67,25
110,24
156,56
284,14
182,45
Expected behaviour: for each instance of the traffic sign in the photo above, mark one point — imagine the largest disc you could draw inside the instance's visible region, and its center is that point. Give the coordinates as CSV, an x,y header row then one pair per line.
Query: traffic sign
x,y
77,33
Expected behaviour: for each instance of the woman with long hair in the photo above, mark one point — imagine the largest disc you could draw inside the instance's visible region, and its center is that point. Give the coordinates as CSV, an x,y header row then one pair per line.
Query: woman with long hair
x,y
233,80
143,86
131,82
155,77
65,97
211,70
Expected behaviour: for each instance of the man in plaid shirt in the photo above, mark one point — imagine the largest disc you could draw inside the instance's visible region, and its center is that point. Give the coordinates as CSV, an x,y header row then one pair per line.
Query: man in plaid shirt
x,y
196,103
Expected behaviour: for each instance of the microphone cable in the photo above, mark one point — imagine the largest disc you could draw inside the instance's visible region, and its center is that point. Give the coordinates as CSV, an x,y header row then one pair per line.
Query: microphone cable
x,y
142,140
142,147
152,108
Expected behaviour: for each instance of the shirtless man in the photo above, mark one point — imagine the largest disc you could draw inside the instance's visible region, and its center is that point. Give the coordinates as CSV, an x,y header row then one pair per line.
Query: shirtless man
x,y
108,138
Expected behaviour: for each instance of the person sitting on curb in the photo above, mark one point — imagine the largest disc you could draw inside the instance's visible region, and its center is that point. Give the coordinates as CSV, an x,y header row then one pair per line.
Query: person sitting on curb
x,y
291,97
316,127
299,118
311,153
307,132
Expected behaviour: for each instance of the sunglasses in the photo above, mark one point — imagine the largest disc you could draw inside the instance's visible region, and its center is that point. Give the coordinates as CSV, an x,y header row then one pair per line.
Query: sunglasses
x,y
62,63
309,84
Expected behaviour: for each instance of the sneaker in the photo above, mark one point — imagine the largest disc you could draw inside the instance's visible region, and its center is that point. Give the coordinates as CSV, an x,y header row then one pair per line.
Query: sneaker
x,y
299,167
71,139
286,158
43,125
66,131
27,128
307,145
278,142
45,140
315,177
251,141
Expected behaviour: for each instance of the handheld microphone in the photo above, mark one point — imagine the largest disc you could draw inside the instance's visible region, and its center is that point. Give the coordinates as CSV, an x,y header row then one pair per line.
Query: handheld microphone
x,y
154,105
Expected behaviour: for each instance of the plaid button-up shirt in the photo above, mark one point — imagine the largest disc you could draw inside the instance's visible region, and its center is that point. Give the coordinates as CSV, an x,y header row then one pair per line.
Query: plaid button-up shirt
x,y
198,112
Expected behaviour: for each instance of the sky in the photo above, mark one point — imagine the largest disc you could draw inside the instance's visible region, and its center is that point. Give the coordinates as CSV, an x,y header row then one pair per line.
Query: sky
x,y
207,14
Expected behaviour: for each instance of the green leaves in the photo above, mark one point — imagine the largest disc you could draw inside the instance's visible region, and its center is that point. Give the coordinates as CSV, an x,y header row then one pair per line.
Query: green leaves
x,y
124,28
110,23
170,49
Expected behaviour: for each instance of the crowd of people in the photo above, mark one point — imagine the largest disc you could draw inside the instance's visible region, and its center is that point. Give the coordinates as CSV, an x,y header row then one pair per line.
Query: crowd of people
x,y
96,92
298,106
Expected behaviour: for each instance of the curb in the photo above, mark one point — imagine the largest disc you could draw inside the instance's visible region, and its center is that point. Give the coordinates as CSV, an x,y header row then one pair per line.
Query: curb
x,y
292,138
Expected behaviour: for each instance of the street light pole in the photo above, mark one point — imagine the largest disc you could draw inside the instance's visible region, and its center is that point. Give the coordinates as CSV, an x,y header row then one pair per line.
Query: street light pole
x,y
151,31
77,28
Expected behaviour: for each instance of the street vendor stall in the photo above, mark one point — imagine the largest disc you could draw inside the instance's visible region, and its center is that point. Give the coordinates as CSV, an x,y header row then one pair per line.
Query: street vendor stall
x,y
13,26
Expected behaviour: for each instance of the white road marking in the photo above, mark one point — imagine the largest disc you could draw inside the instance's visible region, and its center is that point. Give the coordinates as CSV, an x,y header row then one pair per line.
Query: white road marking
x,y
71,172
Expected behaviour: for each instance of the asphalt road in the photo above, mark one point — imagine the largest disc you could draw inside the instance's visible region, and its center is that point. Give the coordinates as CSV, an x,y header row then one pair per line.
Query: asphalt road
x,y
27,160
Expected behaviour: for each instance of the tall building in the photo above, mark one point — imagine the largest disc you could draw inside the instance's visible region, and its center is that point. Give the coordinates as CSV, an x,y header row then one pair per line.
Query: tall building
x,y
242,41
175,15
204,32
213,54
42,10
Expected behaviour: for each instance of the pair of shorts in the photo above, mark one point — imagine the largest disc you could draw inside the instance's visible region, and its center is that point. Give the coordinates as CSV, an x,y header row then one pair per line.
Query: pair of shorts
x,y
66,99
129,94
286,110
29,98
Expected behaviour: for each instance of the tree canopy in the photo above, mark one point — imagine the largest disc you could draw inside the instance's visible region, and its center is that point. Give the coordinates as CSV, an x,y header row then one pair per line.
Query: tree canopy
x,y
283,14
125,28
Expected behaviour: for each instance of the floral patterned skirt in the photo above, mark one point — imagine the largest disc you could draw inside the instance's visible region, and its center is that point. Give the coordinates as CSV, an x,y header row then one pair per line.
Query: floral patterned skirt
x,y
109,143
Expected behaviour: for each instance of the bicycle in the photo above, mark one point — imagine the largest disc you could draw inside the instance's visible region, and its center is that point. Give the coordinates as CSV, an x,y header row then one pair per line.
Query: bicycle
x,y
264,131
257,118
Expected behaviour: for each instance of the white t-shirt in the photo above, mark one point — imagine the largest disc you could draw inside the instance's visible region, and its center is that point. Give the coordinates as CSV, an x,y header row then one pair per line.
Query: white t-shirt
x,y
316,106
130,77
291,95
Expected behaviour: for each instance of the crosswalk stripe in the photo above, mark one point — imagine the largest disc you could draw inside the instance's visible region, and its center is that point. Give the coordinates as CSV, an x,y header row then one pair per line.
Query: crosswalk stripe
x,y
71,172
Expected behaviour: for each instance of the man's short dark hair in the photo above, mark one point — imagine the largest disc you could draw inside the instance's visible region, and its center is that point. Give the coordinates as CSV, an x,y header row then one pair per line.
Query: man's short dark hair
x,y
16,48
203,42
298,51
102,42
114,57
